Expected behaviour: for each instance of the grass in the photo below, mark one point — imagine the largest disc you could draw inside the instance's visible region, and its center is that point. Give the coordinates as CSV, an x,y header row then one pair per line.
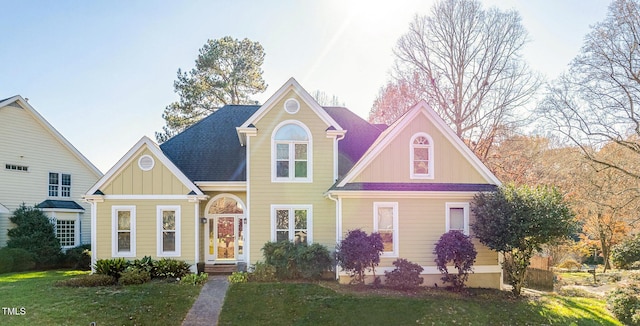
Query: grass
x,y
154,303
313,304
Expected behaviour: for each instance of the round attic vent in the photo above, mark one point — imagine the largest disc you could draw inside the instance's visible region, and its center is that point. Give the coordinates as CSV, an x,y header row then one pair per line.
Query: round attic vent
x,y
292,106
146,162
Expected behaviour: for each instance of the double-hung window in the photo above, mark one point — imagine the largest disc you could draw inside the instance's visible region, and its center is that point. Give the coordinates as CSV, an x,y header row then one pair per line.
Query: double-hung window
x,y
123,226
291,223
168,242
457,217
291,153
59,184
385,222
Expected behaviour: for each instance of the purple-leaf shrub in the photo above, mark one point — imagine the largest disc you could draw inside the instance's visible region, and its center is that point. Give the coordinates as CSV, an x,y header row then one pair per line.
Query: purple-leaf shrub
x,y
358,251
406,276
455,247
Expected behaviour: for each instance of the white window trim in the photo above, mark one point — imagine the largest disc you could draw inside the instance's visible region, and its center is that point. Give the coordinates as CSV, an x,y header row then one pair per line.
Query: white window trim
x,y
274,154
465,207
114,231
429,175
396,239
292,226
160,252
76,228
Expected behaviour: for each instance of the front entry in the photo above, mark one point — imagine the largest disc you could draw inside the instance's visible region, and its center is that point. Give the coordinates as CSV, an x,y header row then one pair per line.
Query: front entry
x,y
224,238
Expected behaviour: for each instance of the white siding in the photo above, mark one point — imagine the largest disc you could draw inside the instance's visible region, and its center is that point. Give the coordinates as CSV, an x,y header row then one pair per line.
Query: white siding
x,y
25,141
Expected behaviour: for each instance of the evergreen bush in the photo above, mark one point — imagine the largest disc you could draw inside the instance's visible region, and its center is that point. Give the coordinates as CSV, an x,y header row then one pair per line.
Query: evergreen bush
x,y
35,233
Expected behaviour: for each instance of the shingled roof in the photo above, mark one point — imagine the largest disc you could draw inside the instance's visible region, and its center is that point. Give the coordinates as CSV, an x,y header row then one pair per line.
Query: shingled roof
x,y
359,137
210,150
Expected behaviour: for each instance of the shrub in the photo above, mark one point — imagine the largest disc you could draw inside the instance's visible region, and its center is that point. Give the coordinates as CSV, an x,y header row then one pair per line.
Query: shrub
x,y
297,260
78,257
112,267
15,260
238,277
34,233
570,264
145,263
195,279
406,275
358,252
89,281
262,272
133,276
454,246
167,267
626,253
282,256
624,303
313,260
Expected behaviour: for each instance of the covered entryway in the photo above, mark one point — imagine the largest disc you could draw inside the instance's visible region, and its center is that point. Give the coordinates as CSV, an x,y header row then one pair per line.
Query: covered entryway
x,y
224,230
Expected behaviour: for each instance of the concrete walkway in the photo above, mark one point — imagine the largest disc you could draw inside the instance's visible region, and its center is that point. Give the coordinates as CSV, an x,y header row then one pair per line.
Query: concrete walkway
x,y
206,309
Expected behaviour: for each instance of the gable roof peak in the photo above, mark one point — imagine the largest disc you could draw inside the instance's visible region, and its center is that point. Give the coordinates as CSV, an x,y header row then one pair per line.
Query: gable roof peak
x,y
157,152
292,84
24,104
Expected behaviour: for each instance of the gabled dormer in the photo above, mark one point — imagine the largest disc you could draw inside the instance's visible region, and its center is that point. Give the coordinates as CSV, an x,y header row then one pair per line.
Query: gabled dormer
x,y
293,126
419,148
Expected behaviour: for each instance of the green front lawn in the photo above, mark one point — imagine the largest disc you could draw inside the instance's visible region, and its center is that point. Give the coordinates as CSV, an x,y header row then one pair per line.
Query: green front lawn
x,y
44,303
312,304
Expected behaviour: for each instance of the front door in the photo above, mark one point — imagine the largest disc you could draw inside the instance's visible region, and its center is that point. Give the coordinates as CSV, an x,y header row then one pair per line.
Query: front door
x,y
224,238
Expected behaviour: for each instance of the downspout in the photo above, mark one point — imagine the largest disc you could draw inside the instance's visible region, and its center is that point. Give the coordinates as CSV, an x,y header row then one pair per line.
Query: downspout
x,y
338,223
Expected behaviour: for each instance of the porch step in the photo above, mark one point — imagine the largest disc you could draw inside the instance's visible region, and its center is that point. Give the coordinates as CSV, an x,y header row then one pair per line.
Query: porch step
x,y
220,269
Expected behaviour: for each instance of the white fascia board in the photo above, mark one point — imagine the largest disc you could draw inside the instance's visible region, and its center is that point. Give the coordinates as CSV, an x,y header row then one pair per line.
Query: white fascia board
x,y
4,210
394,130
62,210
222,185
399,194
306,97
153,147
56,135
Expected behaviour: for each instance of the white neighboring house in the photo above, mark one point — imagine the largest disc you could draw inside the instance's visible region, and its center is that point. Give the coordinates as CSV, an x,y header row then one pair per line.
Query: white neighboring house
x,y
38,166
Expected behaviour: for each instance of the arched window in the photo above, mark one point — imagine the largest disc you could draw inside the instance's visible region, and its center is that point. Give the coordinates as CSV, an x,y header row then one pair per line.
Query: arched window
x,y
291,153
421,156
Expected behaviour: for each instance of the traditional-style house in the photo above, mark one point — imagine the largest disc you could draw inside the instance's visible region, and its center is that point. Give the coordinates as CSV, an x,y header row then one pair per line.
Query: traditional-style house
x,y
291,169
41,168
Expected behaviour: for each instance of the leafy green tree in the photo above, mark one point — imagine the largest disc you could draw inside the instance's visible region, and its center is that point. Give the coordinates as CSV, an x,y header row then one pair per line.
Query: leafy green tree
x,y
227,71
34,233
627,252
517,221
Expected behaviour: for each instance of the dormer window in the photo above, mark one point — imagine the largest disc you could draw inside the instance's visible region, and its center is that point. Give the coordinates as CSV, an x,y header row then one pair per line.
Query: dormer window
x,y
291,153
421,156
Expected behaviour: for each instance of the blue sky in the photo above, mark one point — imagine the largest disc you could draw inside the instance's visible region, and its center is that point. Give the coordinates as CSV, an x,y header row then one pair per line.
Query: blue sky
x,y
101,72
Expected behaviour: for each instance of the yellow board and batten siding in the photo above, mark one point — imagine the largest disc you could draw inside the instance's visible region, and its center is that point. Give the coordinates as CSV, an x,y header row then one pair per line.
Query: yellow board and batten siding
x,y
392,163
264,193
132,180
